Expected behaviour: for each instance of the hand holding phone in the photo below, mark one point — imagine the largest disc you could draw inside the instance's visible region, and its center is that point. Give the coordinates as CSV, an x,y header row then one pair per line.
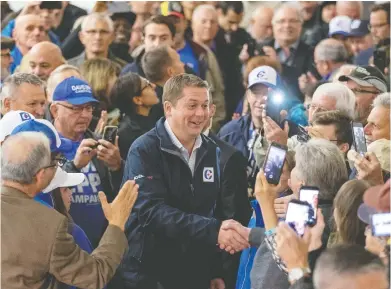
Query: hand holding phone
x,y
274,162
359,138
310,195
297,216
110,133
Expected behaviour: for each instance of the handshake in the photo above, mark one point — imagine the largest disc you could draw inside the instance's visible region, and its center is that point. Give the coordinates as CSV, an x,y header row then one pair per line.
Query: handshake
x,y
233,237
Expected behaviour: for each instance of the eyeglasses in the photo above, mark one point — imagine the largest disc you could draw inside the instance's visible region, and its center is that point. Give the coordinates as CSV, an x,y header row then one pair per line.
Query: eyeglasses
x,y
149,84
7,54
56,162
359,90
101,32
370,27
289,21
316,107
79,109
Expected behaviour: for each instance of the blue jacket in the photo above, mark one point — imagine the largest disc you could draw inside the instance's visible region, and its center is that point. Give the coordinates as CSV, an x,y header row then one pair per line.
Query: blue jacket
x,y
236,133
172,230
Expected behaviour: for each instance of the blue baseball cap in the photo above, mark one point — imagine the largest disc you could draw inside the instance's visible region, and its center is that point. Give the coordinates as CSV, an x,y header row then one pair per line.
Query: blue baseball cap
x,y
74,91
359,28
265,75
57,144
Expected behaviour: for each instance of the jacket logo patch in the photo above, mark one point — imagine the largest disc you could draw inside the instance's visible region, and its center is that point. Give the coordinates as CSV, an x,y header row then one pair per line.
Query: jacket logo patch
x,y
208,175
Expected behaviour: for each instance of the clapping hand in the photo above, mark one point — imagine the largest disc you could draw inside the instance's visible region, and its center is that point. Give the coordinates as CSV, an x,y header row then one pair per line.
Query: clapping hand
x,y
233,237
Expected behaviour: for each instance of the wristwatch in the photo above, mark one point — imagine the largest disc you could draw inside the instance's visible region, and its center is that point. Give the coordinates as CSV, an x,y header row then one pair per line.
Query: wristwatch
x,y
298,273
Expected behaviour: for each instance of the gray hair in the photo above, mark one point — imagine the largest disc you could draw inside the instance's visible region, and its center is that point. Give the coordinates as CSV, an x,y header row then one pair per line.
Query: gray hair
x,y
290,5
155,62
329,50
382,100
345,98
201,8
23,155
328,172
14,81
97,17
52,82
345,261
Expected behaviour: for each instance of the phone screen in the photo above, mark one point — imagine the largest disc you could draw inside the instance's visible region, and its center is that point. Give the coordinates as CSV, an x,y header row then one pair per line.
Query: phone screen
x,y
310,195
274,163
381,225
359,138
110,133
297,217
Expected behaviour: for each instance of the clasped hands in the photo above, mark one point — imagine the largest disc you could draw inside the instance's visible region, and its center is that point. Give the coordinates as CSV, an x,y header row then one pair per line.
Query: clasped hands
x,y
233,237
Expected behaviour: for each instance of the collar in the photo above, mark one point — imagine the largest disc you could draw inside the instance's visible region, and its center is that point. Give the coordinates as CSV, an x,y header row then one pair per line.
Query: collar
x,y
9,191
176,141
293,45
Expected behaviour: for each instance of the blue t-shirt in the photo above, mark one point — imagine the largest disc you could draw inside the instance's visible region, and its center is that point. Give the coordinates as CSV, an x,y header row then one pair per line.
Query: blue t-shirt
x,y
188,57
86,209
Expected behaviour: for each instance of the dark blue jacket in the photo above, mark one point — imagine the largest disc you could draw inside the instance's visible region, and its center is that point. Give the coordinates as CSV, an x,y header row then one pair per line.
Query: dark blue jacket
x,y
236,134
172,231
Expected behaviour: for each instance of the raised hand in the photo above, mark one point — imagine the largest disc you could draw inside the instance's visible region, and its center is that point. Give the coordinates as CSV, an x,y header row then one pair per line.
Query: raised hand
x,y
109,154
117,212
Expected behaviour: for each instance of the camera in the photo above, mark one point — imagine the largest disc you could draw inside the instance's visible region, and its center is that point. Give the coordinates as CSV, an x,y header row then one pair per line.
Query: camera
x,y
254,48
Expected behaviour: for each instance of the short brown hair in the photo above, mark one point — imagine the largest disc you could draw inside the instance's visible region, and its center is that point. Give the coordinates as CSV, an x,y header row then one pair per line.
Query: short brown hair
x,y
341,121
382,7
161,20
173,89
155,63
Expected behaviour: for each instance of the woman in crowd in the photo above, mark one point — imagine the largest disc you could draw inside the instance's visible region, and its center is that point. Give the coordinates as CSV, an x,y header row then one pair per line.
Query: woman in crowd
x,y
134,96
349,228
101,74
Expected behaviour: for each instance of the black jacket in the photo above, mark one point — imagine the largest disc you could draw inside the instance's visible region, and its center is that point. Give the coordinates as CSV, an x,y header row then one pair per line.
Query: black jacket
x,y
130,128
227,55
172,230
71,14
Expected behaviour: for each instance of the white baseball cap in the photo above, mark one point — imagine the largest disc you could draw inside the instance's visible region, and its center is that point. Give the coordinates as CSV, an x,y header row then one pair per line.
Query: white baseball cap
x,y
340,25
63,179
265,75
11,120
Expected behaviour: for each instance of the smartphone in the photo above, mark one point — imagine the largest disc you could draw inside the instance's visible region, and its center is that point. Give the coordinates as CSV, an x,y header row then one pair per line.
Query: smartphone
x,y
297,216
274,162
359,138
110,133
314,71
50,5
273,107
310,195
381,224
380,59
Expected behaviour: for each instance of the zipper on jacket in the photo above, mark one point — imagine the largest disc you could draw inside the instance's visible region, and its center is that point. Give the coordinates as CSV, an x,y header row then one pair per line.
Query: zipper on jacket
x,y
192,188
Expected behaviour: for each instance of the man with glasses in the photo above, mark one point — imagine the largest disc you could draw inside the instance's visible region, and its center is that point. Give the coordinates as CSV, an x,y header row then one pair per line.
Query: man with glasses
x,y
380,22
37,251
97,33
100,161
7,44
26,92
366,82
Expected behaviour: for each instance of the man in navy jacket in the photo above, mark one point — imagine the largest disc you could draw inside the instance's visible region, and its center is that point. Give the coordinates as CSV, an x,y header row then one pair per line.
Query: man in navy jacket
x,y
173,231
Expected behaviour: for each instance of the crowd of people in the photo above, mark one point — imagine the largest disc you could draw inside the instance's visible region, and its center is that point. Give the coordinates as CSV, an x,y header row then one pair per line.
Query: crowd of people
x,y
216,132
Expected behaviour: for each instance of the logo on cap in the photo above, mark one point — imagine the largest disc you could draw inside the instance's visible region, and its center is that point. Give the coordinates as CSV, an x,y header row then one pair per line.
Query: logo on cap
x,y
24,116
355,24
81,88
261,74
362,70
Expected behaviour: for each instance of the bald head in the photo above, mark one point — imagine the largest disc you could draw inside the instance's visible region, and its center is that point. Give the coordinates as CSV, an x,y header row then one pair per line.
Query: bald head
x,y
352,9
44,57
261,23
201,9
29,30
